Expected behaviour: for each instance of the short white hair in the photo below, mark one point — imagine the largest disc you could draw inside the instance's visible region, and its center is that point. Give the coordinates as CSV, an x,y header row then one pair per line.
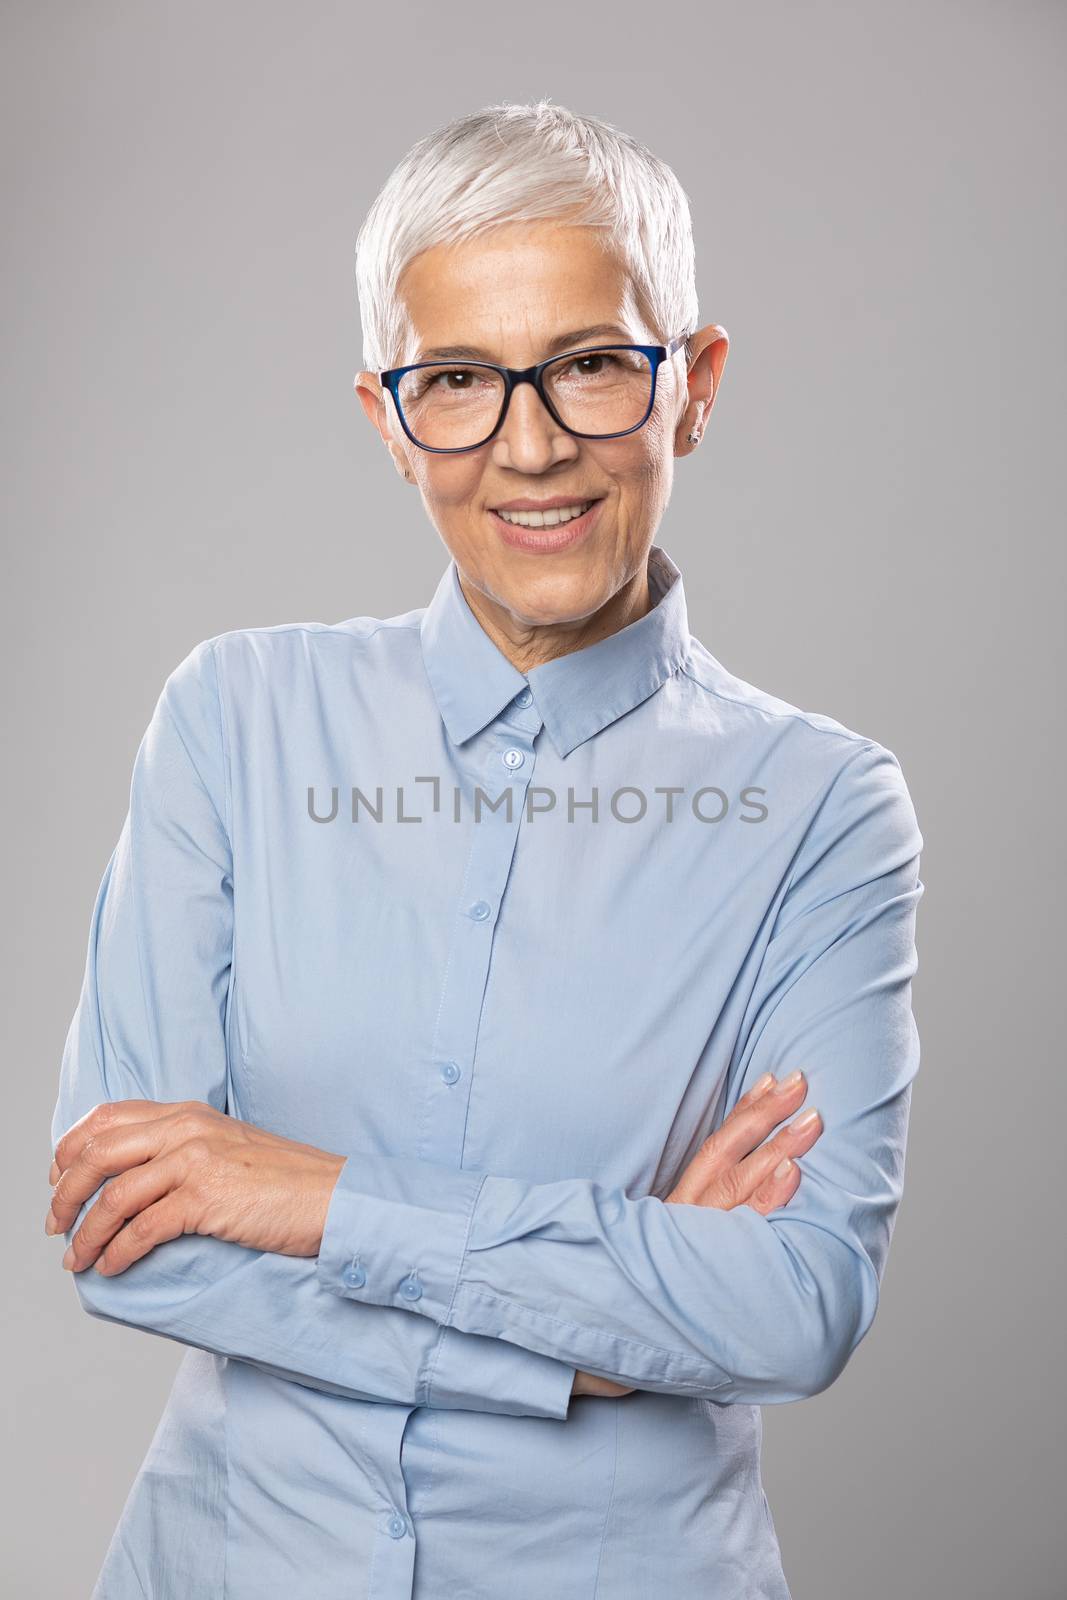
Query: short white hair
x,y
511,162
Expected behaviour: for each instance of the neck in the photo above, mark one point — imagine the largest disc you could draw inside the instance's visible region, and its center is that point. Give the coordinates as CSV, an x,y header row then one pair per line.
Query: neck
x,y
528,645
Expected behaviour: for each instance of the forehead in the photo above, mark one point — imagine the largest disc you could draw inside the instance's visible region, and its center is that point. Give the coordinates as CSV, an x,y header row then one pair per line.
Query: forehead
x,y
513,290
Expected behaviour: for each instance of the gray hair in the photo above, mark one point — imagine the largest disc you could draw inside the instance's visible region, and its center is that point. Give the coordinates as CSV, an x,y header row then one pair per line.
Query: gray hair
x,y
513,163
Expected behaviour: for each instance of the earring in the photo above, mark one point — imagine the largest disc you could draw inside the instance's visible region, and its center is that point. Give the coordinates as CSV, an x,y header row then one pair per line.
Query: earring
x,y
694,438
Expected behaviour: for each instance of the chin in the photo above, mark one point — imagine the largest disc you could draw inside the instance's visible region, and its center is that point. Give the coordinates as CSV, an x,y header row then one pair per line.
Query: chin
x,y
557,597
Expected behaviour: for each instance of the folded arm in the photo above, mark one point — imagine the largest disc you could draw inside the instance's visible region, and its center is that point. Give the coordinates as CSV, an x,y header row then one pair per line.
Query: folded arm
x,y
729,1304
151,1024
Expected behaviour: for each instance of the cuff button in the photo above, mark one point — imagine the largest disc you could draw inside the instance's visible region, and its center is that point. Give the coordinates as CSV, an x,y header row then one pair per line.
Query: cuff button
x,y
354,1276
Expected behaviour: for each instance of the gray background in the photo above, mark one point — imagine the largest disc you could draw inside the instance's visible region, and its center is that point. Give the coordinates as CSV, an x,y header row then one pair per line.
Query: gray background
x,y
872,529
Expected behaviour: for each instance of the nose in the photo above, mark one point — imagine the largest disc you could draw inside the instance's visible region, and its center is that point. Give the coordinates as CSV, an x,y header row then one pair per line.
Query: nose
x,y
530,438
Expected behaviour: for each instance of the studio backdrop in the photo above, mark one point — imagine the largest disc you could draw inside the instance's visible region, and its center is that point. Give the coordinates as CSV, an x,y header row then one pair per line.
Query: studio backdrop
x,y
870,531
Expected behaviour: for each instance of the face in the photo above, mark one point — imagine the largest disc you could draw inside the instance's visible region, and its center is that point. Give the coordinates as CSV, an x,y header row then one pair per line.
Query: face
x,y
510,295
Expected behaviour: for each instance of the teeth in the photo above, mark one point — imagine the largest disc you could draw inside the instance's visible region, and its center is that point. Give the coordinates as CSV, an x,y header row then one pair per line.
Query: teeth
x,y
546,519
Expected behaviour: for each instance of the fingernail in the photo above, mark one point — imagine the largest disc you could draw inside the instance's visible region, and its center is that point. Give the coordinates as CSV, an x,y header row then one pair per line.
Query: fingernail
x,y
50,1224
761,1085
792,1080
68,1259
783,1169
807,1119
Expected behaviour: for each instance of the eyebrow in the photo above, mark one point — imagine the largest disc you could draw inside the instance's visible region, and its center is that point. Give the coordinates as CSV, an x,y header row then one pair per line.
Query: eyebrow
x,y
563,341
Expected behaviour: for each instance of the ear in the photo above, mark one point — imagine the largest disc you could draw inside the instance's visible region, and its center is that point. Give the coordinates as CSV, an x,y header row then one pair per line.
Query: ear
x,y
378,409
710,347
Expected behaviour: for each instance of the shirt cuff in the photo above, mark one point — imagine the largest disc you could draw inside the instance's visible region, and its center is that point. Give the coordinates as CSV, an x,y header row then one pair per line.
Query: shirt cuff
x,y
396,1235
541,1384
396,1232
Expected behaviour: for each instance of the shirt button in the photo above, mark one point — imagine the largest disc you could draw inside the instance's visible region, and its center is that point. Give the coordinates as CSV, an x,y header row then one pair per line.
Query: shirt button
x,y
479,910
523,697
450,1071
397,1526
354,1276
513,758
411,1288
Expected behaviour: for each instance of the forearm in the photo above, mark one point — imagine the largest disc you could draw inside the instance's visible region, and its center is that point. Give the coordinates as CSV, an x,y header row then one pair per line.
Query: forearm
x,y
681,1299
271,1310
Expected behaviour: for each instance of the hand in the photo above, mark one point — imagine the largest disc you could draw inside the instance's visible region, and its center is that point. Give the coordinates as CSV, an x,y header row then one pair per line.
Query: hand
x,y
184,1168
734,1167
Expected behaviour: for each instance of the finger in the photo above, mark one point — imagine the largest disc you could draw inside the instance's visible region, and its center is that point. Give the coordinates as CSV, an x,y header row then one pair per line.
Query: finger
x,y
767,1101
778,1189
157,1223
108,1114
745,1128
120,1204
105,1156
751,1120
796,1139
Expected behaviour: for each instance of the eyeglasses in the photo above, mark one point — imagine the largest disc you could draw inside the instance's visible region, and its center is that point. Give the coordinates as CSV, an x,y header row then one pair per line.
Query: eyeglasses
x,y
597,392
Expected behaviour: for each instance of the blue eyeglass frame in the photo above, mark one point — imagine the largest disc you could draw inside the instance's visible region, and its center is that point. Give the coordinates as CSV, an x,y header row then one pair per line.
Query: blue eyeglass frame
x,y
656,353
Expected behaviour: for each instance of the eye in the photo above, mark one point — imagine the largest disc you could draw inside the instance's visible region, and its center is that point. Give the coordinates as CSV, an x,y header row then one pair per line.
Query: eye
x,y
588,364
436,381
454,378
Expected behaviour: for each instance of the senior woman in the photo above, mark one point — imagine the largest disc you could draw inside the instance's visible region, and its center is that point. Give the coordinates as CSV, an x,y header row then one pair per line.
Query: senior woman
x,y
458,978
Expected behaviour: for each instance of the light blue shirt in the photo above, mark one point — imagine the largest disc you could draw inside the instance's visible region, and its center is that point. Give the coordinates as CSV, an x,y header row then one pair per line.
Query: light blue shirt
x,y
516,978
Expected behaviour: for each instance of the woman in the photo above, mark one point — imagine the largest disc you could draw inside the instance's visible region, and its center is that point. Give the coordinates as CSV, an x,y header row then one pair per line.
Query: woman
x,y
457,978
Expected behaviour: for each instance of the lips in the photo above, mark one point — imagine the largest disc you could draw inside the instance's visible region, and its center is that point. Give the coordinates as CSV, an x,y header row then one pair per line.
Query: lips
x,y
547,540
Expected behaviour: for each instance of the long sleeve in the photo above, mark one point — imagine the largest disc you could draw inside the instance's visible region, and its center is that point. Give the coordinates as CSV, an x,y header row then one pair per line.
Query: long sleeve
x,y
151,1023
687,1299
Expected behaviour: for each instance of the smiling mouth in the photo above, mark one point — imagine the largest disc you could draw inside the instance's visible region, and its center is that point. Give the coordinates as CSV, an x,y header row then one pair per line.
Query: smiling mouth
x,y
553,518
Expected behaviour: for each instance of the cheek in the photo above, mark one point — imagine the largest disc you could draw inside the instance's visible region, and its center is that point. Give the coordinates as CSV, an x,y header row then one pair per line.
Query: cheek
x,y
631,463
646,465
450,485
453,499
659,441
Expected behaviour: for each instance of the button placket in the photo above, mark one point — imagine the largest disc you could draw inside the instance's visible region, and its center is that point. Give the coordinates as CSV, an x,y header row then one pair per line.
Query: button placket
x,y
394,1557
491,852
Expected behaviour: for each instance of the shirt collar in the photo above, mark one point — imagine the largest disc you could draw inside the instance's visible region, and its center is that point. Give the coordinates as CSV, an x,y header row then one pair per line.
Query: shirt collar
x,y
576,695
